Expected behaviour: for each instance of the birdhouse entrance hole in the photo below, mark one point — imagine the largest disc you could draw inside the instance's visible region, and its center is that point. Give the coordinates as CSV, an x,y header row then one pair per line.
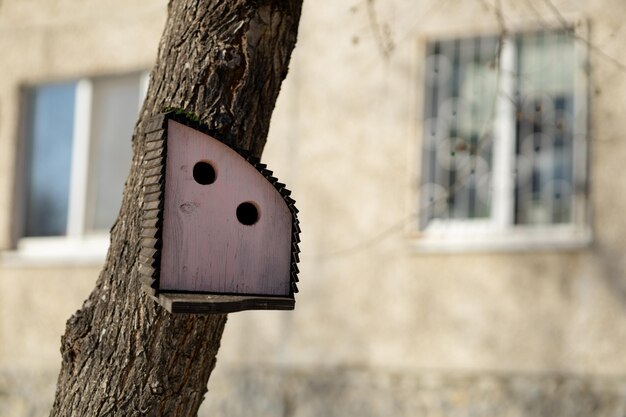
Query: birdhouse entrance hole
x,y
247,213
204,173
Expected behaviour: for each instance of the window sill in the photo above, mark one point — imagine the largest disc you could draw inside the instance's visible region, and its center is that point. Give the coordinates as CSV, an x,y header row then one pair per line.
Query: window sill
x,y
520,239
57,251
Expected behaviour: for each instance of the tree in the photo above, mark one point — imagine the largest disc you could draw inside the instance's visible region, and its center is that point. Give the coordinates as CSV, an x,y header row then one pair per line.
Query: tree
x,y
123,355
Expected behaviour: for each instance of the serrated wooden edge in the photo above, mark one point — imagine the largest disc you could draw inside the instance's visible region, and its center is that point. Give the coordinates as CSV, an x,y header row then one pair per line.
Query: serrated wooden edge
x,y
152,199
295,223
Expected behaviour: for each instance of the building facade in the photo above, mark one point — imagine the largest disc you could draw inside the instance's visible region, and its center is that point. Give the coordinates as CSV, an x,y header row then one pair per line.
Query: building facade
x,y
457,170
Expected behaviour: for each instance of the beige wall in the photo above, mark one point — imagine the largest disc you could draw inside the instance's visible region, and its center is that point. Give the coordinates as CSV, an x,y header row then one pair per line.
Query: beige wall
x,y
344,133
345,138
44,41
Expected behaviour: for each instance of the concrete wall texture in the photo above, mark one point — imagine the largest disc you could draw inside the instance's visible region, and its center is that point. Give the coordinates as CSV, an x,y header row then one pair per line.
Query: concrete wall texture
x,y
380,327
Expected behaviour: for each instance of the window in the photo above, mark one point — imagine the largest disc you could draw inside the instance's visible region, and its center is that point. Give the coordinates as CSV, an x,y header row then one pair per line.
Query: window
x,y
504,138
77,155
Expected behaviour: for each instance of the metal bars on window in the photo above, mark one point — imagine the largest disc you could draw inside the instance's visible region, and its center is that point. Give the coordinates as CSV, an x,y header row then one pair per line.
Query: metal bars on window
x,y
500,137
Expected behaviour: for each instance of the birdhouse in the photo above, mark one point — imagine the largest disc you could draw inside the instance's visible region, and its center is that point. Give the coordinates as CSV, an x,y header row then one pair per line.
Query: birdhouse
x,y
219,232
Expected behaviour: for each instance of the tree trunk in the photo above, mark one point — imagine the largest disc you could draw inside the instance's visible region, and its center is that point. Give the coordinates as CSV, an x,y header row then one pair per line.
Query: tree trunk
x,y
123,355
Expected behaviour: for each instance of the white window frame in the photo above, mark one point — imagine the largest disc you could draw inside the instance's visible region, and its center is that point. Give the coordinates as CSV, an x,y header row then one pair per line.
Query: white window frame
x,y
77,246
498,232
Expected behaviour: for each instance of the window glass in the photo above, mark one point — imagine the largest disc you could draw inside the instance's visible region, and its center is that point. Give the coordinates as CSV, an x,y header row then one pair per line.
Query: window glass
x,y
114,112
545,62
48,162
544,128
77,158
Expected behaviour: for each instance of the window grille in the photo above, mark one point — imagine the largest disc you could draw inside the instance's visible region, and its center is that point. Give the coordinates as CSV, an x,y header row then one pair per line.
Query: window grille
x,y
504,132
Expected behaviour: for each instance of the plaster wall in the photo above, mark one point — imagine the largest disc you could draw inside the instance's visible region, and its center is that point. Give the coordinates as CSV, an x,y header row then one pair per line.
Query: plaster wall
x,y
345,131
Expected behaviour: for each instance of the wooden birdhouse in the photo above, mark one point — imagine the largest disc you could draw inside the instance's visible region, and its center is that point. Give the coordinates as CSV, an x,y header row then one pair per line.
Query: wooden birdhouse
x,y
220,233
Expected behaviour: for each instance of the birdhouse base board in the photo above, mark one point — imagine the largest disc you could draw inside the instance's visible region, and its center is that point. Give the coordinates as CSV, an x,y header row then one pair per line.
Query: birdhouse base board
x,y
218,303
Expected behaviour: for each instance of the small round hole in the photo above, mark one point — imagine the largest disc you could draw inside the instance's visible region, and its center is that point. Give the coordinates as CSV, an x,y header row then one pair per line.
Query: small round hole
x,y
247,214
204,173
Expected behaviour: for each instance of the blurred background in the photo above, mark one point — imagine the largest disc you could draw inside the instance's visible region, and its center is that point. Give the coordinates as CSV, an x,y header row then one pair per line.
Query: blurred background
x,y
458,169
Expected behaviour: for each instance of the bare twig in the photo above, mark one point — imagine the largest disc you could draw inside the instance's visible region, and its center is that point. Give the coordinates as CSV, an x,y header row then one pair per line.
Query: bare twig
x,y
567,27
380,32
500,18
371,240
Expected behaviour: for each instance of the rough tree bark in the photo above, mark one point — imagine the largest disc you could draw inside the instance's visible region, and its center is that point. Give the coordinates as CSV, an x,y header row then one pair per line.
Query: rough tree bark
x,y
123,355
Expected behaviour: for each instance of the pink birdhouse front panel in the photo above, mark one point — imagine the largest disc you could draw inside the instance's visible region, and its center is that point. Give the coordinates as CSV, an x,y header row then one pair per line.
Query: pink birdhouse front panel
x,y
226,229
